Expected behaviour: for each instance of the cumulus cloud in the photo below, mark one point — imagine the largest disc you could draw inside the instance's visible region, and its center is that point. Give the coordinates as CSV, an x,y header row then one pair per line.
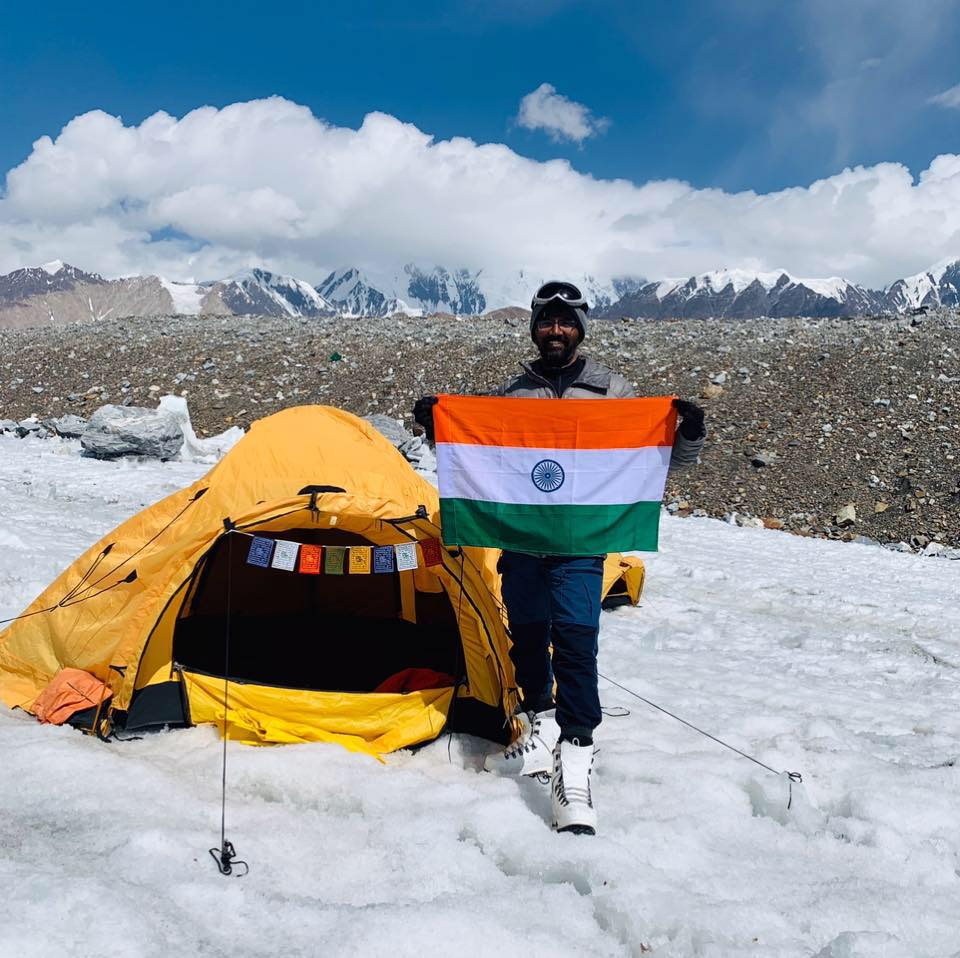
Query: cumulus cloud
x,y
561,118
267,183
949,98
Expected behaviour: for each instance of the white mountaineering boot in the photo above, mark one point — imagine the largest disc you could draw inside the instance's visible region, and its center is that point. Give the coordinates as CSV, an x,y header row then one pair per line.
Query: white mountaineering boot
x,y
570,796
532,752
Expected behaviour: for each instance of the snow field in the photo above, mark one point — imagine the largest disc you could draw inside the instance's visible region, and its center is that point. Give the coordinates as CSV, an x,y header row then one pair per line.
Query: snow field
x,y
835,660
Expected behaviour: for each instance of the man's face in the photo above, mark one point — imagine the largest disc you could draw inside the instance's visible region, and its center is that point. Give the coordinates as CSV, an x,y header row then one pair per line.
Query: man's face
x,y
557,336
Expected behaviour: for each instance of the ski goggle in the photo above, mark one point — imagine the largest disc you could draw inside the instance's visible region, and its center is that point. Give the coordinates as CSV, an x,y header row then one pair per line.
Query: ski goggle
x,y
564,292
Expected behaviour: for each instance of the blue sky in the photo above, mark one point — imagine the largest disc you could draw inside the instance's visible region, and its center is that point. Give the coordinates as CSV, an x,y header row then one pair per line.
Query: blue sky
x,y
719,94
734,95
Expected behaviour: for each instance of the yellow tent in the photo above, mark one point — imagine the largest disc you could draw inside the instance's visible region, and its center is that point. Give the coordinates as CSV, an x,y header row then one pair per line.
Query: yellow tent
x,y
168,603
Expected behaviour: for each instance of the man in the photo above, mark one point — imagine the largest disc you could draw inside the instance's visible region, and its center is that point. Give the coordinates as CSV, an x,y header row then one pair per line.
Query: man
x,y
555,600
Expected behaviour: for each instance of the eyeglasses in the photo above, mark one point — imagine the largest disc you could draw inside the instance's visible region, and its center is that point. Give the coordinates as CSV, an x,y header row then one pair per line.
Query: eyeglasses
x,y
565,292
564,322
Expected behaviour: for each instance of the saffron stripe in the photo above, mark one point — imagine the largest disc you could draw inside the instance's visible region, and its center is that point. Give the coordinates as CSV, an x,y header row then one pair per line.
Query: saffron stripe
x,y
545,424
551,530
588,476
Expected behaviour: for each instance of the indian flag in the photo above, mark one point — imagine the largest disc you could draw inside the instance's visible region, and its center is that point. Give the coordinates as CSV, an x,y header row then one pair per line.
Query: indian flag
x,y
549,476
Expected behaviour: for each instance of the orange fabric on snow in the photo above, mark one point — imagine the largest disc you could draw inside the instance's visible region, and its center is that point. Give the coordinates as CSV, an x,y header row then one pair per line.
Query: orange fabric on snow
x,y
70,691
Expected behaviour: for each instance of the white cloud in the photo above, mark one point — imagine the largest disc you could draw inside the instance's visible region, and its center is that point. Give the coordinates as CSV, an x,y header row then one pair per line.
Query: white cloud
x,y
561,118
949,98
266,182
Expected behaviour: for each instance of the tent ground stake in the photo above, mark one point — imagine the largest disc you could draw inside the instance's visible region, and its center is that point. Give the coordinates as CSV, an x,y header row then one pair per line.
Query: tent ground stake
x,y
226,858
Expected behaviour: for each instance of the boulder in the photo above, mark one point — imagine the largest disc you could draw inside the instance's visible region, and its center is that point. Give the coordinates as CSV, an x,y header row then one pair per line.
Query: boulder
x,y
392,428
7,425
847,515
30,427
414,449
764,458
898,546
67,427
115,431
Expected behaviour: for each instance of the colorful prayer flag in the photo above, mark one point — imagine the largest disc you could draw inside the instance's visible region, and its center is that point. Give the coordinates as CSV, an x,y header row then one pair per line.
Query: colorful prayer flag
x,y
333,559
260,551
310,559
383,559
359,560
432,552
406,556
285,555
577,477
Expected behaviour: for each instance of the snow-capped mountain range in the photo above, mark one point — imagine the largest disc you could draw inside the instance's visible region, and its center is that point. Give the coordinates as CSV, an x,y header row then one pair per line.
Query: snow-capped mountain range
x,y
57,292
739,294
416,291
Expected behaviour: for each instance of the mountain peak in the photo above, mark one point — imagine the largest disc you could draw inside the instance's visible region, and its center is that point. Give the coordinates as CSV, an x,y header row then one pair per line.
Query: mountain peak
x,y
937,286
260,291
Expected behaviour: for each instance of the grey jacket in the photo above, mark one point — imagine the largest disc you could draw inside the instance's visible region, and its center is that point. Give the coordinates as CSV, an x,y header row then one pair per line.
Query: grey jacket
x,y
595,382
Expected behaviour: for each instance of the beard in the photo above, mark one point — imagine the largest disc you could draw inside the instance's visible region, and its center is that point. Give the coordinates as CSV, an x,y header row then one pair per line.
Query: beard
x,y
557,352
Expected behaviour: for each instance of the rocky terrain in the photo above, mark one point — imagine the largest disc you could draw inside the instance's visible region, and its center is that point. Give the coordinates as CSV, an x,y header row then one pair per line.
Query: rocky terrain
x,y
845,428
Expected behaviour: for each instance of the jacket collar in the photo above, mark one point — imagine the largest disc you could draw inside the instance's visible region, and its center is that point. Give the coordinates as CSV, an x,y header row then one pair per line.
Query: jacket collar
x,y
593,376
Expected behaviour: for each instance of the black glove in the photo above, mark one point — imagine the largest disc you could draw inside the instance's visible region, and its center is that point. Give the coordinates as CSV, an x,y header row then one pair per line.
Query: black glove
x,y
423,414
691,419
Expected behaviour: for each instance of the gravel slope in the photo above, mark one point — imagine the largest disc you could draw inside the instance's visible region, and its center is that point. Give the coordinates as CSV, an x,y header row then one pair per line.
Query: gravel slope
x,y
805,416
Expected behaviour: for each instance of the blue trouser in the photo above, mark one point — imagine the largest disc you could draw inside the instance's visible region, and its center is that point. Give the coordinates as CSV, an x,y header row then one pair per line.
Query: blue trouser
x,y
556,599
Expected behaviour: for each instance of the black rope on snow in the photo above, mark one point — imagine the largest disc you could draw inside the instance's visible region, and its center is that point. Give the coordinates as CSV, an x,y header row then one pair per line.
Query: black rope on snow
x,y
791,776
226,856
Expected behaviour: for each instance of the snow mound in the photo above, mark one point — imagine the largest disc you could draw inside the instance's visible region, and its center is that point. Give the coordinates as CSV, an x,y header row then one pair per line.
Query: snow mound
x,y
194,448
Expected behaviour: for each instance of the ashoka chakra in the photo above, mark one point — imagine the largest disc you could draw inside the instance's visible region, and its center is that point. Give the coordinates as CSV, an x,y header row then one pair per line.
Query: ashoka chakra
x,y
547,475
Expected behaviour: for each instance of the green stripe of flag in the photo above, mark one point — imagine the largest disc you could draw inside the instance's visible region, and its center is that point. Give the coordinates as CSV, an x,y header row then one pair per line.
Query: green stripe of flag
x,y
568,530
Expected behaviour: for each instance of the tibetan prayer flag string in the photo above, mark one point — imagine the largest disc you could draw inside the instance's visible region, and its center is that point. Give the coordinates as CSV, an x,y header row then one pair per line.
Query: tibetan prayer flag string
x,y
340,560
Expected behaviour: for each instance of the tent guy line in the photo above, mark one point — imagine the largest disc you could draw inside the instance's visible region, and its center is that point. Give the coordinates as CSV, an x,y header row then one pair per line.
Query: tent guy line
x,y
225,856
791,777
